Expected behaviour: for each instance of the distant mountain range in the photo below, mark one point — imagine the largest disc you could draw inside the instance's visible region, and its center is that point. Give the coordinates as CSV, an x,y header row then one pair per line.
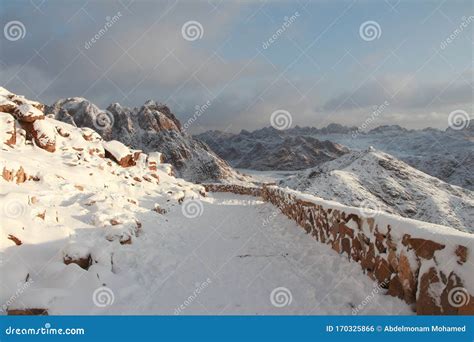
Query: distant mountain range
x,y
271,149
447,155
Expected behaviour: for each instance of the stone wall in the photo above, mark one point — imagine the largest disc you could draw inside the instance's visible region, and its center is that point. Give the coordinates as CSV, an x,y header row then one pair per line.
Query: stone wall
x,y
426,265
236,189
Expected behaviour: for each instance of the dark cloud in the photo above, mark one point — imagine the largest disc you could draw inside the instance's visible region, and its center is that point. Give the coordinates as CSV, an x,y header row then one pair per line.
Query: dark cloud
x,y
144,56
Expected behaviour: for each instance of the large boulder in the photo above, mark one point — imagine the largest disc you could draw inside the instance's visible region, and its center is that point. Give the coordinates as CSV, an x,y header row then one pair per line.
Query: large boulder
x,y
120,153
28,113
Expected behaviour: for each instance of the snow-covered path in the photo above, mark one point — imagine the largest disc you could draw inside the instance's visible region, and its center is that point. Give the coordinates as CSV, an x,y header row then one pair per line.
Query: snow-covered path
x,y
231,258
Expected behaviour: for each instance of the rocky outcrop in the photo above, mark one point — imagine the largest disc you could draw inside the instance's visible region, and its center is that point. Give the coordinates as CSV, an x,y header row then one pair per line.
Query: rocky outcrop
x,y
149,128
393,251
15,175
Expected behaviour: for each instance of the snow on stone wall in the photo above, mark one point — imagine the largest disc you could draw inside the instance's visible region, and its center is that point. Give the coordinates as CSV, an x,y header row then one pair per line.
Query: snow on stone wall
x,y
426,265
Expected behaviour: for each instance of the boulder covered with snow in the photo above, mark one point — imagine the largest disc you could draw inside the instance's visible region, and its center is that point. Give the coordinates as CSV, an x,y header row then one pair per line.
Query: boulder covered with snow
x,y
120,153
43,133
28,113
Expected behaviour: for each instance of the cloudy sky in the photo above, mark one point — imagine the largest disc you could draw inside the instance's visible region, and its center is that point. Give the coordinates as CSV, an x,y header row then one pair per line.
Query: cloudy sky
x,y
322,61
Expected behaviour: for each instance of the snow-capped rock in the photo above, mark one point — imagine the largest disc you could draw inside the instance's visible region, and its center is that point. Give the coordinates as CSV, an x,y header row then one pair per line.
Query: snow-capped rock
x,y
375,180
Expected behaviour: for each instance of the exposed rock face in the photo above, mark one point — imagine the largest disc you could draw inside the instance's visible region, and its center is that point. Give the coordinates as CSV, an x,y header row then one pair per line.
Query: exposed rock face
x,y
28,113
410,267
152,127
379,181
271,149
12,175
42,132
84,262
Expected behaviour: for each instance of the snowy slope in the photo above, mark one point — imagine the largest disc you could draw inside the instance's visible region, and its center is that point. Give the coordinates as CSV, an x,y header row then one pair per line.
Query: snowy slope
x,y
377,180
151,127
447,155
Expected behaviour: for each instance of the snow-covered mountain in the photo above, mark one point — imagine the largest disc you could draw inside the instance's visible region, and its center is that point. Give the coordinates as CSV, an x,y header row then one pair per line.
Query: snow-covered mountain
x,y
271,149
151,127
447,155
373,179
